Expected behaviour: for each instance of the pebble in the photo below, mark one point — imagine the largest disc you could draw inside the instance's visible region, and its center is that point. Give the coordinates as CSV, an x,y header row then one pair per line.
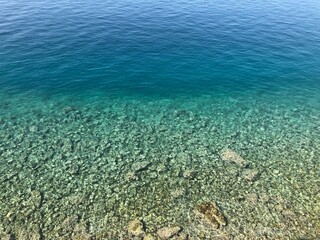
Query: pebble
x,y
231,156
139,166
251,175
168,232
210,212
135,228
149,236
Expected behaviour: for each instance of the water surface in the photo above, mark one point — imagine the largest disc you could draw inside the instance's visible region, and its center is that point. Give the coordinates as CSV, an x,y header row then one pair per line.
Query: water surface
x,y
115,111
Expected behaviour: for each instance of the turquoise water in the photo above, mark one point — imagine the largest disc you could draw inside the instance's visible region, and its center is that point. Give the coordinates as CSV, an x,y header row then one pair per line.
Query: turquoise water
x,y
116,111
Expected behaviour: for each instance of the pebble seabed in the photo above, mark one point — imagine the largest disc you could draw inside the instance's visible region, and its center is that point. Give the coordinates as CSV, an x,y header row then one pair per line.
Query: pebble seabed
x,y
74,169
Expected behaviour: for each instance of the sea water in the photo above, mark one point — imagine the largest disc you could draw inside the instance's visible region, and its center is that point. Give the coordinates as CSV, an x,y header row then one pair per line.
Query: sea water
x,y
115,111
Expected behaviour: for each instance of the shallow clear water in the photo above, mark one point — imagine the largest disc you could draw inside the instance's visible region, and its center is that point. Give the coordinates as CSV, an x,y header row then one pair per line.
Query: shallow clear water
x,y
115,111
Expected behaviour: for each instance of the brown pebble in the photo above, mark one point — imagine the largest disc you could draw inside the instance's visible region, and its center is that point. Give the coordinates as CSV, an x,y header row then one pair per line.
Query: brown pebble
x,y
210,212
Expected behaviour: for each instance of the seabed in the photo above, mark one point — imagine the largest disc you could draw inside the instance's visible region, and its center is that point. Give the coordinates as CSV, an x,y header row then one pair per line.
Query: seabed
x,y
202,167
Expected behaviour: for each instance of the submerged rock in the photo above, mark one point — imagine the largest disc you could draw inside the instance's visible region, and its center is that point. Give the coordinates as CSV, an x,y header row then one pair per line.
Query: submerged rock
x,y
189,174
251,174
211,213
4,236
67,226
149,236
80,233
181,113
139,166
182,236
231,156
168,232
178,193
31,232
131,176
135,228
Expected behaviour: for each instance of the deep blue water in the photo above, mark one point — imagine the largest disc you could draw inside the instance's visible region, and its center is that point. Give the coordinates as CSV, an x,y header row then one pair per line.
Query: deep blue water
x,y
159,46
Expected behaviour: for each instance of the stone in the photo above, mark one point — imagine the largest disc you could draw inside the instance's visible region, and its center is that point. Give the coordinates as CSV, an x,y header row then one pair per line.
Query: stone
x,y
231,156
264,198
131,176
252,198
33,128
31,233
69,109
4,235
139,166
189,174
181,113
211,213
136,228
149,236
178,193
168,232
276,172
181,236
251,175
80,233
67,225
